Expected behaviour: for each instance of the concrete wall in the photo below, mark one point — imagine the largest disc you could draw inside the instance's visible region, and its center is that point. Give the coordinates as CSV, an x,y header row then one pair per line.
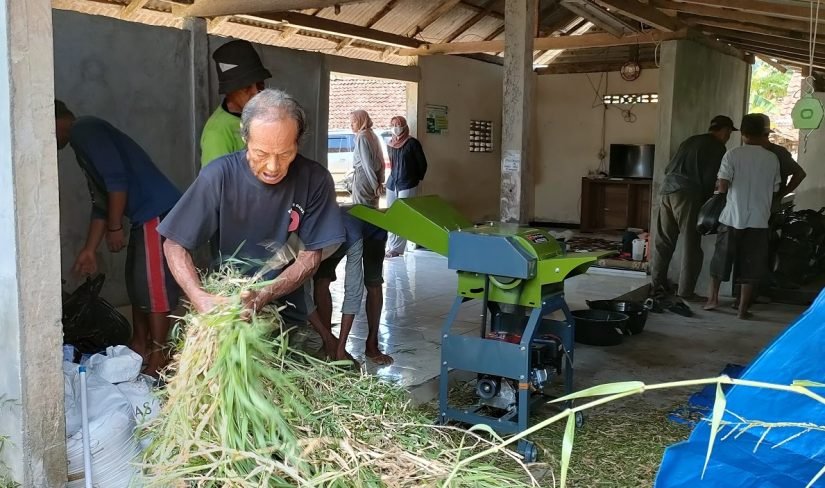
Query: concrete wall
x,y
472,90
568,139
811,193
695,83
136,77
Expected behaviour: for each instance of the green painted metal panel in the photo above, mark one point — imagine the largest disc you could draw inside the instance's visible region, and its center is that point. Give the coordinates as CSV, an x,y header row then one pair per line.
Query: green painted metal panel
x,y
426,221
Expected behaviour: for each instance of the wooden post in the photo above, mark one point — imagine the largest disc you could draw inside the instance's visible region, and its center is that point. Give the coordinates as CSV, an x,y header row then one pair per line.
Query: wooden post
x,y
516,181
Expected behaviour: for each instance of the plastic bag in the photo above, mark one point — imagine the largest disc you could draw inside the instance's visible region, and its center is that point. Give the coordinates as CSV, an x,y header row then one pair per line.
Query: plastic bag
x,y
120,364
708,221
90,323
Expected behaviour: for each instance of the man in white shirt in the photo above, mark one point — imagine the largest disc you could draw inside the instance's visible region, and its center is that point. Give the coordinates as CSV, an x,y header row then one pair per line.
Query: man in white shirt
x,y
750,177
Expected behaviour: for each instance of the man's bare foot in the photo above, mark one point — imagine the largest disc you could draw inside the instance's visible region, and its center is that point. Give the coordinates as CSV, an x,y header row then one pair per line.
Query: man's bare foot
x,y
343,355
745,315
710,306
379,358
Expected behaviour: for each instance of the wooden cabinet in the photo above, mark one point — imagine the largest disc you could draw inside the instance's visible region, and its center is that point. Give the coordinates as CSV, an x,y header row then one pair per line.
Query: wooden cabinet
x,y
615,204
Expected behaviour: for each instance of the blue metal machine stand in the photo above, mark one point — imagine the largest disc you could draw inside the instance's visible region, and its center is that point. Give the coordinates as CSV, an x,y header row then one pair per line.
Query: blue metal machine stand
x,y
505,360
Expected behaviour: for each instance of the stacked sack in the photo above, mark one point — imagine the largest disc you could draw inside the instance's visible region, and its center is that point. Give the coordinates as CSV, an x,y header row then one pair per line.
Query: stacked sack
x,y
120,399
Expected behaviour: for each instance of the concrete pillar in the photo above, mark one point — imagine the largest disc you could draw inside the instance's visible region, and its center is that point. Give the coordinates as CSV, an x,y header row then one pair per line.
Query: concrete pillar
x,y
199,83
30,303
516,185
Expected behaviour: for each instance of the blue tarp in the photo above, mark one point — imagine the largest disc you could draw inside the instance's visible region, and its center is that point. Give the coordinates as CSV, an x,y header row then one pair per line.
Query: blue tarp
x,y
797,354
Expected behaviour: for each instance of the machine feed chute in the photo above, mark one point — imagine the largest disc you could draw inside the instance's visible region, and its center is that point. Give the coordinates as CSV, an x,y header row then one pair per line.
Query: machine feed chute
x,y
426,221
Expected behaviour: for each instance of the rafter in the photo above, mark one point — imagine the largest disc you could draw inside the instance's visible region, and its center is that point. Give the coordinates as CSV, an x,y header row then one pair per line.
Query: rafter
x,y
132,9
734,15
547,43
215,8
386,9
733,25
795,11
643,13
340,29
475,19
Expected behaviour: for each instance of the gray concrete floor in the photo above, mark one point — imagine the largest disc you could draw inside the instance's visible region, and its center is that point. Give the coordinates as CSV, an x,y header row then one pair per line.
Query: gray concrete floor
x,y
419,291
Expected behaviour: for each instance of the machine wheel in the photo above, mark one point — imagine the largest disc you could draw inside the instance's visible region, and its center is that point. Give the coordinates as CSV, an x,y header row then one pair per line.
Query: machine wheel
x,y
527,449
579,420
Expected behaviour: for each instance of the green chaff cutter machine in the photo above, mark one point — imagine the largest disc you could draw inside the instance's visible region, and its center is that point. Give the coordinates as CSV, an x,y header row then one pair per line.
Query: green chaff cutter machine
x,y
518,273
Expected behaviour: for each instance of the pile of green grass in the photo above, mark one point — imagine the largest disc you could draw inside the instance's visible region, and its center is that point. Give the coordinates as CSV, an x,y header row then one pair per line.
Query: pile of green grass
x,y
243,409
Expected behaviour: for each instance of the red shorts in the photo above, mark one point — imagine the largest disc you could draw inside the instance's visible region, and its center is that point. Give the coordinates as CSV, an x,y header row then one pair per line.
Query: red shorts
x,y
149,283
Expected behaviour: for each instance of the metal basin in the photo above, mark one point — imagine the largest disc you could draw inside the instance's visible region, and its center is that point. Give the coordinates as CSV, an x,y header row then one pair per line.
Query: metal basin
x,y
636,312
599,327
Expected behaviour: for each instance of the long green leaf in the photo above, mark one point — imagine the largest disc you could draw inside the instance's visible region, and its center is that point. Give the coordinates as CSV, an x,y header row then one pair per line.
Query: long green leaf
x,y
567,446
716,420
606,389
808,384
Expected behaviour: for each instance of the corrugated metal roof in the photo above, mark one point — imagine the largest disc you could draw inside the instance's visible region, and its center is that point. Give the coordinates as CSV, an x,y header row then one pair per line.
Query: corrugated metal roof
x,y
401,20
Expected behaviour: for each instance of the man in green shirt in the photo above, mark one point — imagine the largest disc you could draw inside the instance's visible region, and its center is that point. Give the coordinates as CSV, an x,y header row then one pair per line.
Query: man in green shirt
x,y
241,76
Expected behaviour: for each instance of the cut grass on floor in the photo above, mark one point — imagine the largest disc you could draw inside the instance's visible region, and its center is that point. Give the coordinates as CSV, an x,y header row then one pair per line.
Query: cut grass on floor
x,y
620,445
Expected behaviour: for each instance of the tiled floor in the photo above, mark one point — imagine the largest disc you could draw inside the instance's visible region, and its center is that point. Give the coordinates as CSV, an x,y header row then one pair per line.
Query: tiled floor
x,y
419,292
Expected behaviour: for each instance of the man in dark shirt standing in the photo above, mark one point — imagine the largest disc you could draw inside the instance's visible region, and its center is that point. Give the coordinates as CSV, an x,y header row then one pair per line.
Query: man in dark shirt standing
x,y
258,200
124,182
790,171
689,181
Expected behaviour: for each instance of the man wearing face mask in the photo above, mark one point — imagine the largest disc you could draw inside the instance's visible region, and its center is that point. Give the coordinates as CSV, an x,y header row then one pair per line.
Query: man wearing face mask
x,y
241,76
256,200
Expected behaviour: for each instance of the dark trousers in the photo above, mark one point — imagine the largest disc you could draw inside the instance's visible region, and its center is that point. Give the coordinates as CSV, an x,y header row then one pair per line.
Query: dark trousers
x,y
678,213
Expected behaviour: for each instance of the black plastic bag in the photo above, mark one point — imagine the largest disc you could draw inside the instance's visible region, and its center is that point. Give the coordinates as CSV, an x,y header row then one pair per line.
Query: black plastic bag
x,y
90,323
708,221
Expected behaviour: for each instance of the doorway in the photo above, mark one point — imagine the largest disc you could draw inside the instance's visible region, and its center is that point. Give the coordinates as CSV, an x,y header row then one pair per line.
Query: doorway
x,y
382,98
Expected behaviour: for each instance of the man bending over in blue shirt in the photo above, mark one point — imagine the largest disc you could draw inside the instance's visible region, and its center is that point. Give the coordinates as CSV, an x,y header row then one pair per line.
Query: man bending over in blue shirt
x,y
124,182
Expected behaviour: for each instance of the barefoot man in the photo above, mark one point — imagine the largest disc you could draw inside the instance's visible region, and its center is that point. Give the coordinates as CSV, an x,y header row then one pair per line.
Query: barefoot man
x,y
750,177
364,250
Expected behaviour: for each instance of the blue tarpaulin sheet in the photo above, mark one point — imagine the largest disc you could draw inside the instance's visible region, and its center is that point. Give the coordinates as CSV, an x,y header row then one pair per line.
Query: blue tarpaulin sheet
x,y
758,457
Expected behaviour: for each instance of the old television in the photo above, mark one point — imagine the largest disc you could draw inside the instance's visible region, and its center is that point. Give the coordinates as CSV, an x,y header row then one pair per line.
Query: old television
x,y
631,161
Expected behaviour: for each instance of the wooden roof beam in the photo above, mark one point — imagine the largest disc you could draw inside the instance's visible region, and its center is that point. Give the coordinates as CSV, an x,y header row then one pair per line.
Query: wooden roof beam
x,y
766,39
735,15
757,7
340,29
216,8
642,13
695,20
547,43
131,10
386,9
